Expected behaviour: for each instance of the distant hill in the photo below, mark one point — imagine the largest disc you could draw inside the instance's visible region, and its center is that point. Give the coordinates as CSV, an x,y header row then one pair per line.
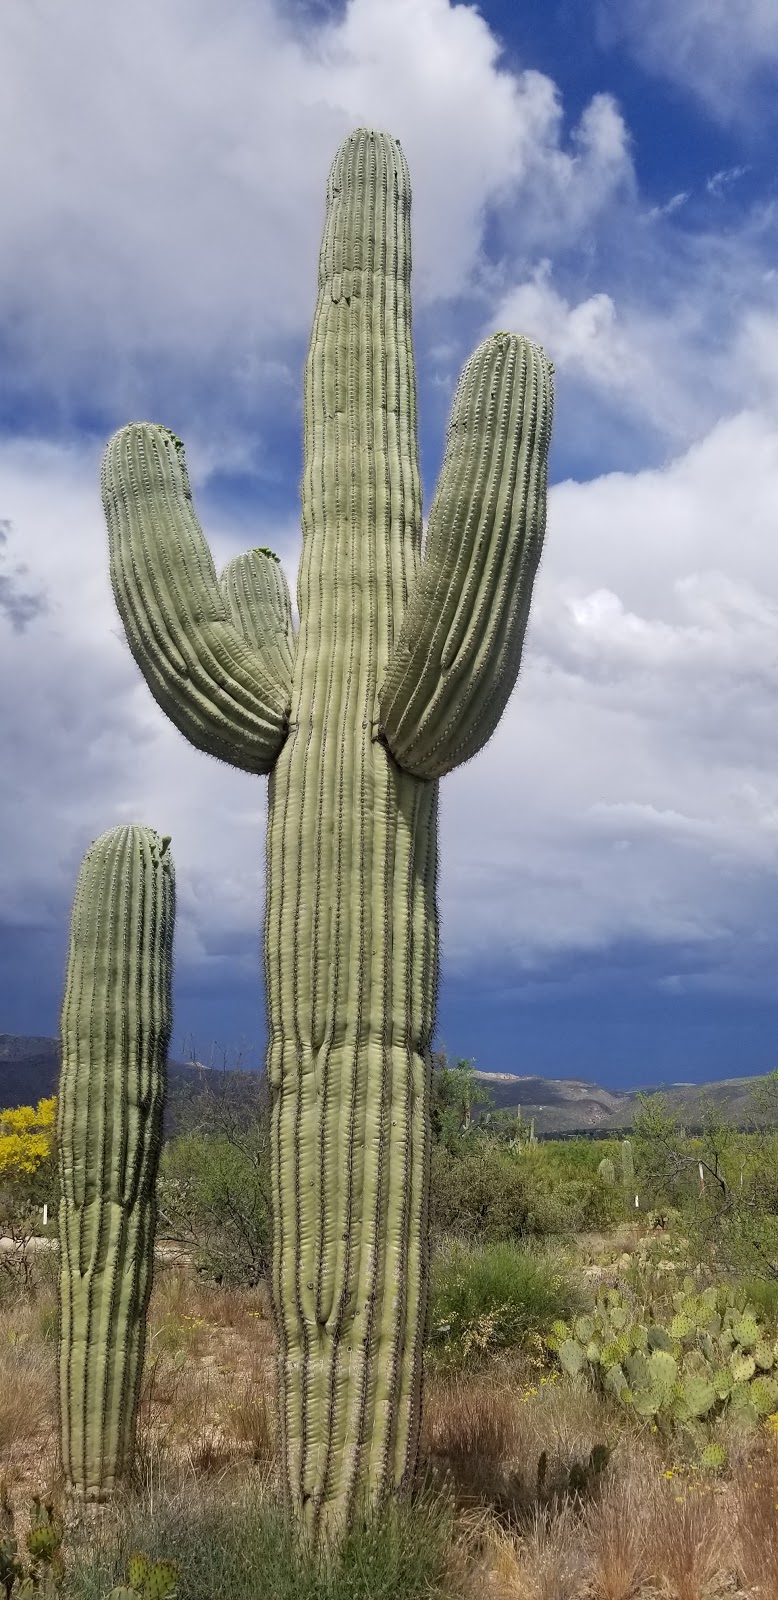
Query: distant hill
x,y
29,1069
557,1105
572,1105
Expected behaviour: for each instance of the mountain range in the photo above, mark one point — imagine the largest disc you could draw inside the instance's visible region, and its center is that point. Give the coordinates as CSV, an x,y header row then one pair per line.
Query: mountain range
x,y
29,1069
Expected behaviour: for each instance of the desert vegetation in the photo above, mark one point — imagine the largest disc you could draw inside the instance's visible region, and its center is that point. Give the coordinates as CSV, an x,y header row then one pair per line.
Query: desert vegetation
x,y
601,1380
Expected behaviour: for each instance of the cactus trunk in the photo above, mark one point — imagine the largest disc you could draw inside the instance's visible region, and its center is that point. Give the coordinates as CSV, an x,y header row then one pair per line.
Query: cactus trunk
x,y
351,945
116,1021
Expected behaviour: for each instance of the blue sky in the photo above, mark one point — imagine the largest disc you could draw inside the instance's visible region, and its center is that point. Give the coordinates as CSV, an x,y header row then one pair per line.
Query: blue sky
x,y
599,176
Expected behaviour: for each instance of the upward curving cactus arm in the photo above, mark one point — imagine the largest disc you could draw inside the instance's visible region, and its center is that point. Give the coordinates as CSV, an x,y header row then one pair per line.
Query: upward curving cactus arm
x,y
229,697
457,655
256,594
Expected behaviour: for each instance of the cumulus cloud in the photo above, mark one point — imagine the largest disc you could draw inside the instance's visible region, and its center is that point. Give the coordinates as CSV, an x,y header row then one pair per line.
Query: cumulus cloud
x,y
163,184
677,331
723,50
634,779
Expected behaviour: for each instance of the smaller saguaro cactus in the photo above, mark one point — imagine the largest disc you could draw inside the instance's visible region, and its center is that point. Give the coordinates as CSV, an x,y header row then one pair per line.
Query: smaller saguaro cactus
x,y
607,1172
116,1022
627,1166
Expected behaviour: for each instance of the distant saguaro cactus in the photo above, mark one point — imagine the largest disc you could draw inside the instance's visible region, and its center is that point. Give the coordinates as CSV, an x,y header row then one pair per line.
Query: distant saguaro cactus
x,y
116,1020
627,1166
401,671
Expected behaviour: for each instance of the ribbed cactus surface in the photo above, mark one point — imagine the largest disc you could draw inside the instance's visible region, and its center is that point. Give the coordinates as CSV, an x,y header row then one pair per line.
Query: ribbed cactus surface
x,y
402,667
116,1020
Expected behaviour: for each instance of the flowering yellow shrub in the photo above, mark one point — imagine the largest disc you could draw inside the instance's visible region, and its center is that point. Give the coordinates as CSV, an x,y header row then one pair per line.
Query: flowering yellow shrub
x,y
26,1138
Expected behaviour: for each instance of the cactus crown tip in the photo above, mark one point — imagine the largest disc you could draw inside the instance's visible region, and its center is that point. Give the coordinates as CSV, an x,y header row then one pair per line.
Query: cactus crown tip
x,y
265,550
179,443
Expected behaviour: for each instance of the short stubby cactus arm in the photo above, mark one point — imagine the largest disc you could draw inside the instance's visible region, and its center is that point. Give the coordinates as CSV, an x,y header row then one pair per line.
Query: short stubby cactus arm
x,y
256,594
457,655
219,690
116,1022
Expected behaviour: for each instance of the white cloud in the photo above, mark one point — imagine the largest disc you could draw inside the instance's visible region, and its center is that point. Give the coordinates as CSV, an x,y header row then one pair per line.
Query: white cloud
x,y
681,330
632,787
720,181
163,184
717,48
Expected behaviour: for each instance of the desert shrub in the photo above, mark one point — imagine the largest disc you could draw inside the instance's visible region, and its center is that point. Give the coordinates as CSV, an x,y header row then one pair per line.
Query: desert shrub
x,y
214,1195
763,1295
487,1193
28,1163
484,1299
245,1546
589,1205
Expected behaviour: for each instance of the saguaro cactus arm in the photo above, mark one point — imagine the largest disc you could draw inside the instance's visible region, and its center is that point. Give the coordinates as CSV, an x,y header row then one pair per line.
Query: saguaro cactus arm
x,y
227,695
458,652
256,594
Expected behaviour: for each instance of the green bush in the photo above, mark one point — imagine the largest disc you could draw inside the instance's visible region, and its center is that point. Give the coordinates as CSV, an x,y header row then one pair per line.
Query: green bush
x,y
490,1298
239,1545
486,1192
214,1195
763,1296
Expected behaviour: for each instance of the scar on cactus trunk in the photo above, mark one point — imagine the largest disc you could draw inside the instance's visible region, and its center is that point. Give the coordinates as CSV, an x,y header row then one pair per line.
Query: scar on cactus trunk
x,y
401,671
116,1020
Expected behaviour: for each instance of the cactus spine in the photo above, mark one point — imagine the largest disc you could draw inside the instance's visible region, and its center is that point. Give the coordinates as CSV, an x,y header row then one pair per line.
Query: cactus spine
x,y
116,1020
400,672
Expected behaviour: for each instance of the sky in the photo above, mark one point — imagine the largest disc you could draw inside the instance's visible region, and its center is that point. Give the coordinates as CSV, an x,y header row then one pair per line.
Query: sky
x,y
596,174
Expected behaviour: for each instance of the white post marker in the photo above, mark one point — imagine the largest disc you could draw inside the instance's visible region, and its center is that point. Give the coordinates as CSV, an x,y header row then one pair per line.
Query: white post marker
x,y
45,1214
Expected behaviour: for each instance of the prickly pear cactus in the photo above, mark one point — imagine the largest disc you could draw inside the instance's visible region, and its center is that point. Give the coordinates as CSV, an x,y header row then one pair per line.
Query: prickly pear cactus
x,y
713,1357
148,1580
116,1021
402,668
43,1540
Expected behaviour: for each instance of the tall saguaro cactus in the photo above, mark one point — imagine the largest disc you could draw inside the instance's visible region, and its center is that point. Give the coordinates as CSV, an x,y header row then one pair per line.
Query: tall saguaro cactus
x,y
401,670
116,1020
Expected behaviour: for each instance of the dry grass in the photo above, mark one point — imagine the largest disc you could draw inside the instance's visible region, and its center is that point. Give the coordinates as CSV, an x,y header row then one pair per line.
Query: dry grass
x,y
546,1563
755,1498
27,1369
690,1533
207,1418
485,1437
616,1532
